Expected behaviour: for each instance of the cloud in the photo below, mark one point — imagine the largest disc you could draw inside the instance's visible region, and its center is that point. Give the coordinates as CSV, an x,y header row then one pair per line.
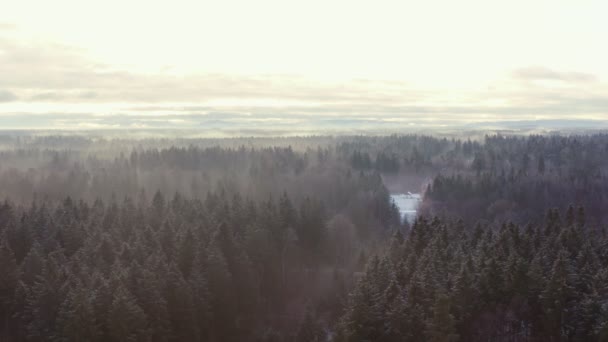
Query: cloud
x,y
42,71
46,96
62,96
541,73
42,74
50,72
7,26
88,95
7,96
240,125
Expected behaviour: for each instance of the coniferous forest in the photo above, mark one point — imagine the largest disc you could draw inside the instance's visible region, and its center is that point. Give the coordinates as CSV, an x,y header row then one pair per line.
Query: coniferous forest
x,y
297,239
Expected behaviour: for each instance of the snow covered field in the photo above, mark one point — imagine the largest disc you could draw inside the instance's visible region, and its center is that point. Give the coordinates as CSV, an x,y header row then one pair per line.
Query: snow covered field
x,y
408,205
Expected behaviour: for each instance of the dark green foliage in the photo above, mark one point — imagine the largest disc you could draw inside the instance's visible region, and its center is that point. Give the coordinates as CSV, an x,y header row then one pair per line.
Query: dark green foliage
x,y
449,283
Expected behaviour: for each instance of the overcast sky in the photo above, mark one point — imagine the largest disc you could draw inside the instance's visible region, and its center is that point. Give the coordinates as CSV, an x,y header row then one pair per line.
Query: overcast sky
x,y
116,63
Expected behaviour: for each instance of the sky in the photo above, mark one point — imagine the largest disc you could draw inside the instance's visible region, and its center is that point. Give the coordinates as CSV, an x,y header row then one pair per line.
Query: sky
x,y
72,64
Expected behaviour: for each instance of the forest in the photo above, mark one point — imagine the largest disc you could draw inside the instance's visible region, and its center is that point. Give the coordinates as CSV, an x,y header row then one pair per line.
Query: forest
x,y
297,239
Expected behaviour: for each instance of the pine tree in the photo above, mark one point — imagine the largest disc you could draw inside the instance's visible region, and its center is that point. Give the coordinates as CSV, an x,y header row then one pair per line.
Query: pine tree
x,y
309,331
32,265
201,300
585,317
180,307
536,284
570,216
441,327
287,212
222,291
19,237
364,317
397,313
311,229
555,298
152,301
396,247
9,276
126,320
76,318
464,294
580,217
186,254
106,251
158,203
541,164
491,282
45,298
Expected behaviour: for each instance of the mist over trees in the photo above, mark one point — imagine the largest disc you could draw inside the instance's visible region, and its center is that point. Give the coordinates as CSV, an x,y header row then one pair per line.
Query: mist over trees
x,y
297,239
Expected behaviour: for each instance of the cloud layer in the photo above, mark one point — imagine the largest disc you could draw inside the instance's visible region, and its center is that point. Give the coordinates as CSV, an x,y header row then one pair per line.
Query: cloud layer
x,y
45,85
541,73
7,96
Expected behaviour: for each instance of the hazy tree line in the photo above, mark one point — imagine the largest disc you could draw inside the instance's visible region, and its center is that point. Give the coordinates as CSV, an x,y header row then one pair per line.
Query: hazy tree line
x,y
266,240
516,179
54,174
